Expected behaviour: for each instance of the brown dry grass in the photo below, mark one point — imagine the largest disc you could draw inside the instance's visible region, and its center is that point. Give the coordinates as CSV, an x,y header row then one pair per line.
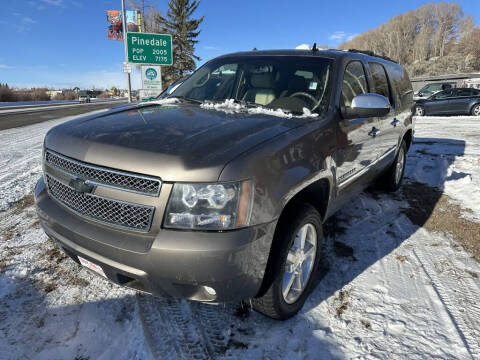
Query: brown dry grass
x,y
435,211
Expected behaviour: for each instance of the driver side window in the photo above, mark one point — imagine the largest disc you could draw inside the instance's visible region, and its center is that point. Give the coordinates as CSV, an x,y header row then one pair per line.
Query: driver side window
x,y
354,82
444,94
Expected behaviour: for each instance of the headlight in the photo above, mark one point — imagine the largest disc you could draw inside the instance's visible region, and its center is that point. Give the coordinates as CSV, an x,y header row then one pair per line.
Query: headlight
x,y
217,206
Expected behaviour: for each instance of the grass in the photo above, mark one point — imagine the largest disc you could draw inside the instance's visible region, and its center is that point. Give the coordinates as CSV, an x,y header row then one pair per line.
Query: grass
x,y
431,209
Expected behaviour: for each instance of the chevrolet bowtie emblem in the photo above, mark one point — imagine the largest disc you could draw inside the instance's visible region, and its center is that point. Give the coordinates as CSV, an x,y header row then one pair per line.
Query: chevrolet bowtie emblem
x,y
81,186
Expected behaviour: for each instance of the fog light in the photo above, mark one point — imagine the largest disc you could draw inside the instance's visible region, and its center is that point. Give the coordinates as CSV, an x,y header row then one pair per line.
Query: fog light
x,y
210,291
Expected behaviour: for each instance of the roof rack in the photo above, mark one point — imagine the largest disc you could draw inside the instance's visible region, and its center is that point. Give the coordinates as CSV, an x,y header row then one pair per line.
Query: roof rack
x,y
371,53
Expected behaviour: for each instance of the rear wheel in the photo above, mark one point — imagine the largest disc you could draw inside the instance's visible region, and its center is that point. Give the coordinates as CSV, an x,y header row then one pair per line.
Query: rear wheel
x,y
476,110
300,249
392,179
419,110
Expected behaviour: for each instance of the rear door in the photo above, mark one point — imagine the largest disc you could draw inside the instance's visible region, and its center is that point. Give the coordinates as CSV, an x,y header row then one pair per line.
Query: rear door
x,y
387,138
356,148
461,101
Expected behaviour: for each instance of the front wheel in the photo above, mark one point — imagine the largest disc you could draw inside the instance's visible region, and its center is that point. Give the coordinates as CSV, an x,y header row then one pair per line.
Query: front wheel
x,y
419,110
300,245
476,110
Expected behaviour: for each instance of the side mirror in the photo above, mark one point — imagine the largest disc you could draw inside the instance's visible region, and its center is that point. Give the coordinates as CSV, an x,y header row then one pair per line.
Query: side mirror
x,y
367,105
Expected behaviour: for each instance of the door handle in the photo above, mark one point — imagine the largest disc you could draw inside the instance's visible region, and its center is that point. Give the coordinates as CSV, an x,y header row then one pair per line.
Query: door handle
x,y
395,122
374,131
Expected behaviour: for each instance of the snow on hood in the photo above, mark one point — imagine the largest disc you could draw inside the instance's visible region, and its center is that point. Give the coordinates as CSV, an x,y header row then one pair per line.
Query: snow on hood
x,y
230,106
166,101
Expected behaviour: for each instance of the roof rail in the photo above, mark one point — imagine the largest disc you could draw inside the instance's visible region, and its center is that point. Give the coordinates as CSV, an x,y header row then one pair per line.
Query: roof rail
x,y
371,53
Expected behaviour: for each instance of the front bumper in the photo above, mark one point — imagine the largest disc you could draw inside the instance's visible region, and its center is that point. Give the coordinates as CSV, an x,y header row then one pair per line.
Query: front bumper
x,y
170,262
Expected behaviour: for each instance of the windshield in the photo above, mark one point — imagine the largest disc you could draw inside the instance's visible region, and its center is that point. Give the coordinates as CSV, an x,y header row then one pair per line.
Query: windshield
x,y
275,82
430,89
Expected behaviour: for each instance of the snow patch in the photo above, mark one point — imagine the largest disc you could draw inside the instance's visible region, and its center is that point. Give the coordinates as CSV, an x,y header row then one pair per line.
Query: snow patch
x,y
230,106
166,101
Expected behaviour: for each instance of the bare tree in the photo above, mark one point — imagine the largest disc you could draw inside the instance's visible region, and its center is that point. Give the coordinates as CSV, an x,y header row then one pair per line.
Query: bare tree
x,y
432,31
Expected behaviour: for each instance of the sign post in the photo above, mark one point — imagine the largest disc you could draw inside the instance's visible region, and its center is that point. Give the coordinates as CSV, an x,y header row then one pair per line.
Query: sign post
x,y
124,23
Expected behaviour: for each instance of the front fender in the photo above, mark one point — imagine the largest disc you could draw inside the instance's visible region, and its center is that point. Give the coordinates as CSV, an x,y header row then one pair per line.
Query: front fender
x,y
285,165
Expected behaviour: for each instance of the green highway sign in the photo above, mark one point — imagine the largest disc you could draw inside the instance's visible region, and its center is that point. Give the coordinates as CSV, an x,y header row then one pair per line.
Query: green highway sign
x,y
145,48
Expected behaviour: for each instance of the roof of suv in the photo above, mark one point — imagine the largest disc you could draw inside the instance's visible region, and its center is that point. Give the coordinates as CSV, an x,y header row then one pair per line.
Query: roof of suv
x,y
331,53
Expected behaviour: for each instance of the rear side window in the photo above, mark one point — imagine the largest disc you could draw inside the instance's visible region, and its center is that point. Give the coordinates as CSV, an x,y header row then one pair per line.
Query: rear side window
x,y
354,82
380,81
467,92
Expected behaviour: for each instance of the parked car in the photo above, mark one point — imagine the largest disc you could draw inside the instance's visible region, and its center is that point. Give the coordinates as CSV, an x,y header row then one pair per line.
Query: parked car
x,y
221,194
84,98
431,89
459,101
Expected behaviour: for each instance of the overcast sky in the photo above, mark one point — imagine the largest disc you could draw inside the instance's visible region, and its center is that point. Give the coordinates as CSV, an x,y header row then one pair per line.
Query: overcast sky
x,y
63,43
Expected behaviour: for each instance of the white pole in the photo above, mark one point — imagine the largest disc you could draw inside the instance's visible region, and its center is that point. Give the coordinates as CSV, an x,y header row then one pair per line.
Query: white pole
x,y
124,25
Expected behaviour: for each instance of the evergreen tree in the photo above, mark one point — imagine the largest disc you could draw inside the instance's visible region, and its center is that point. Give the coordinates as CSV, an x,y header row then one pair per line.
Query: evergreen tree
x,y
184,30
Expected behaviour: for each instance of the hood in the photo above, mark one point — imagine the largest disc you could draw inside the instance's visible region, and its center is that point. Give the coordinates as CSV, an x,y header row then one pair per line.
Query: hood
x,y
421,100
174,142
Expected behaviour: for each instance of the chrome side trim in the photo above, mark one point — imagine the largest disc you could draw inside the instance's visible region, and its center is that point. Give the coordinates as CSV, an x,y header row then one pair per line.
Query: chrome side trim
x,y
358,174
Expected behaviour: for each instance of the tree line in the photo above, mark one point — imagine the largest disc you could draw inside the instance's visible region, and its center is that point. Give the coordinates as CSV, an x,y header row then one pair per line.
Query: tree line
x,y
10,94
179,22
434,39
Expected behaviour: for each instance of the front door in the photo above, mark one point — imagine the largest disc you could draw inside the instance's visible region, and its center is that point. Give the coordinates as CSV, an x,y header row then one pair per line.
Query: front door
x,y
356,145
439,103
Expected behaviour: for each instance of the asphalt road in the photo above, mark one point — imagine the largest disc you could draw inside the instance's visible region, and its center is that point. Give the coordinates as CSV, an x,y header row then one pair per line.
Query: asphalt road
x,y
14,119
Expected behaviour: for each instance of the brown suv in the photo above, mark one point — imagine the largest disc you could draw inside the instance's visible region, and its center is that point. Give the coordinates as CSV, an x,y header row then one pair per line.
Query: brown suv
x,y
219,192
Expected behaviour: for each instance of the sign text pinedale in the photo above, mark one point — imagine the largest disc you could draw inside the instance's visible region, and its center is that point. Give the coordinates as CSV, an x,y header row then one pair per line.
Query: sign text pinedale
x,y
147,48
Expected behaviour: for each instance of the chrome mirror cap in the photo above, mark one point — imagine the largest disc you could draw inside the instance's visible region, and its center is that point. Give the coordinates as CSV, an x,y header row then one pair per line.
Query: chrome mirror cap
x,y
370,101
367,105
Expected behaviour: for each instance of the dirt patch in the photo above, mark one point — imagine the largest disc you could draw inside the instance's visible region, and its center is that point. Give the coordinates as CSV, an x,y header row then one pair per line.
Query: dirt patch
x,y
234,344
366,324
435,211
49,287
55,254
473,274
342,299
401,258
20,205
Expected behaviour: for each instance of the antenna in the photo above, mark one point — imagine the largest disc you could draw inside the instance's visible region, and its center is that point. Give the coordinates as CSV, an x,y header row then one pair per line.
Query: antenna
x,y
314,48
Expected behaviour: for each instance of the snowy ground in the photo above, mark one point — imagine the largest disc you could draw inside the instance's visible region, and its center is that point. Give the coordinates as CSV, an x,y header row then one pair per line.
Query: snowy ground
x,y
401,284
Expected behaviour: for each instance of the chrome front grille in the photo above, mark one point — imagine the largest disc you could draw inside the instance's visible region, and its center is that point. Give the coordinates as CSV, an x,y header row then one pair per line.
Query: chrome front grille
x,y
113,212
108,177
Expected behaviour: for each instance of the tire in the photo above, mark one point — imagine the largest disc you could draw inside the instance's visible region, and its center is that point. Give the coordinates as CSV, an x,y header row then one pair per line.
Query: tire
x,y
475,110
274,304
392,179
419,110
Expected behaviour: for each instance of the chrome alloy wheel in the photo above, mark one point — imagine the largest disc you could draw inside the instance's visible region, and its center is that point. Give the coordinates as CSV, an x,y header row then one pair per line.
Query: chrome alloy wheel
x,y
399,165
299,264
476,110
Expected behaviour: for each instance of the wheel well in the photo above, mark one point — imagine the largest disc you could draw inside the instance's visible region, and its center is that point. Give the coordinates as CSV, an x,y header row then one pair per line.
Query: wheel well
x,y
317,195
408,138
